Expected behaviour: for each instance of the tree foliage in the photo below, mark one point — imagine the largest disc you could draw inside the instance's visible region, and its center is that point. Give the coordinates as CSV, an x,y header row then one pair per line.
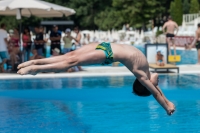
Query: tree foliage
x,y
194,6
10,22
109,19
186,6
87,10
103,14
176,11
134,12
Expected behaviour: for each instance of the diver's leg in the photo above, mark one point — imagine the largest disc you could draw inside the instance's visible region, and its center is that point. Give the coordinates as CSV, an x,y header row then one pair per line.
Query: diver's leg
x,y
84,49
75,59
42,61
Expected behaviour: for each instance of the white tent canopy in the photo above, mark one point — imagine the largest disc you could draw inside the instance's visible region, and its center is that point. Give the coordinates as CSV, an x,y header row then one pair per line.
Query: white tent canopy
x,y
33,7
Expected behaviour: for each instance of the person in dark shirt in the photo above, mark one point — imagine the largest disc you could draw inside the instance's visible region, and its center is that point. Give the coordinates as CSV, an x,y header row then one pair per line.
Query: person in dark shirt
x,y
55,37
39,40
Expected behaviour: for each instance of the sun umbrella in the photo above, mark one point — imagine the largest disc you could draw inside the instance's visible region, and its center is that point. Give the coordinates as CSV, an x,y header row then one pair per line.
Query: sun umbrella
x,y
33,7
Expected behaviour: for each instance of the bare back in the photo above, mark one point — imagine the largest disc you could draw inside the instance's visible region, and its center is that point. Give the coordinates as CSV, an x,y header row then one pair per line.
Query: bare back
x,y
131,57
170,26
128,55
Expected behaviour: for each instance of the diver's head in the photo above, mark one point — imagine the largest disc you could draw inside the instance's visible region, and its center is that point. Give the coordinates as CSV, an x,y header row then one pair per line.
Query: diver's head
x,y
141,90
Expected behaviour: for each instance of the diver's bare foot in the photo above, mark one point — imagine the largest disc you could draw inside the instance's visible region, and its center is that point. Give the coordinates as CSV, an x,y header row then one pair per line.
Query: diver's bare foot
x,y
25,64
27,70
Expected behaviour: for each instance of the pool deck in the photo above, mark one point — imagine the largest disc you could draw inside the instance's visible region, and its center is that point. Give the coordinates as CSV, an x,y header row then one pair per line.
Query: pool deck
x,y
99,71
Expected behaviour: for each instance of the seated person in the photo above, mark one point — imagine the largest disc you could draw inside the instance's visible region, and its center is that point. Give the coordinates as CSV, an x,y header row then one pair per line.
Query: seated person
x,y
13,59
35,55
160,58
55,52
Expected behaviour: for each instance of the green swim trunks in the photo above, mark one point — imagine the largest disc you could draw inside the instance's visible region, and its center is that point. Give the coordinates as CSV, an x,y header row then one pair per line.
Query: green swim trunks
x,y
105,46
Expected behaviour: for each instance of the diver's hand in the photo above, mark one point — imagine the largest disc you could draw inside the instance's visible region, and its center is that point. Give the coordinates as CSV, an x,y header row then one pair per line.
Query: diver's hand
x,y
171,108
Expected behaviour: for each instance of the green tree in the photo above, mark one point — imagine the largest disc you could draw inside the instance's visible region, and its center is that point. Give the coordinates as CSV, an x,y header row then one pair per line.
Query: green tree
x,y
134,12
102,14
10,21
176,11
194,6
109,19
186,6
172,9
87,10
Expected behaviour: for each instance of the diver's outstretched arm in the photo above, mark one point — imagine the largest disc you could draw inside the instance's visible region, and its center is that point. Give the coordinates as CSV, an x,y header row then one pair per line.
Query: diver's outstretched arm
x,y
157,93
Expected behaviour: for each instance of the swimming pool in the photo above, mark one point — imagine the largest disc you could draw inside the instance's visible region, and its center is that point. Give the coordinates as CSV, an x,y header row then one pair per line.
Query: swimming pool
x,y
97,105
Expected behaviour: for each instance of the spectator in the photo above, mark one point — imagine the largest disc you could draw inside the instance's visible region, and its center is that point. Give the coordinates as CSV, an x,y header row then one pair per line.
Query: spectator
x,y
14,49
67,39
26,38
35,55
85,39
160,58
39,40
77,39
14,41
3,46
14,58
55,37
77,42
55,52
45,38
88,38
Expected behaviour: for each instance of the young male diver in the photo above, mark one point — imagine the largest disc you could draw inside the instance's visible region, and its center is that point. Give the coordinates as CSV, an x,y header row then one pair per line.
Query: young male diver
x,y
105,53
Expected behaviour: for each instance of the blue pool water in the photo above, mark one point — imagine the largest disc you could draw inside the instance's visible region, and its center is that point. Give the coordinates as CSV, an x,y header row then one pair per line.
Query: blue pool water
x,y
97,105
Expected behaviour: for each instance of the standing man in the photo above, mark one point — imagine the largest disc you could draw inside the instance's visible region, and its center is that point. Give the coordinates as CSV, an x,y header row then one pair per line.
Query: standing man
x,y
170,27
55,37
67,39
197,42
3,46
39,40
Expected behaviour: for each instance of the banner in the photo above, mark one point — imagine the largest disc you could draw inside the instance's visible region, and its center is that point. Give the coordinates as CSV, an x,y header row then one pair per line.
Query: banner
x,y
183,40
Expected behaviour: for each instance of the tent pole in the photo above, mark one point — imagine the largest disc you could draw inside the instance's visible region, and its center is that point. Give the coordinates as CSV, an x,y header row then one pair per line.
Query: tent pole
x,y
20,27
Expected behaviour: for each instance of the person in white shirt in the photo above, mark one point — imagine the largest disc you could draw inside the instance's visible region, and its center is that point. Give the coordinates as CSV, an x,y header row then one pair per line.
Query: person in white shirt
x,y
3,46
